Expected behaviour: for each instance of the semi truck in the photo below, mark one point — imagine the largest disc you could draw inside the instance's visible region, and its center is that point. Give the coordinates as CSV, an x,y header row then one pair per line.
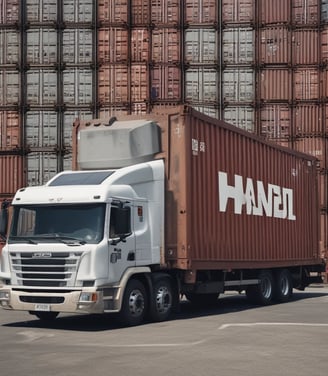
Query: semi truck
x,y
157,208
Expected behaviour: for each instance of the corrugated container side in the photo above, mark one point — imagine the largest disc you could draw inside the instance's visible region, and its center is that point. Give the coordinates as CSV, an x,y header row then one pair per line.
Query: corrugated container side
x,y
41,87
275,45
201,46
277,11
325,119
305,48
139,85
275,84
41,129
308,120
241,116
166,83
316,146
68,119
238,45
113,11
9,87
41,167
238,11
238,85
165,46
212,111
305,12
9,47
325,83
324,11
201,11
140,12
112,45
139,45
10,130
108,111
77,86
201,85
306,84
324,44
41,11
207,224
323,191
78,11
165,12
275,121
77,46
324,233
41,47
113,84
9,12
12,169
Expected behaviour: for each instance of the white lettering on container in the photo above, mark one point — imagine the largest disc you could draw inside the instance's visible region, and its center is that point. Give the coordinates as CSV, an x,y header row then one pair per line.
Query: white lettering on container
x,y
272,201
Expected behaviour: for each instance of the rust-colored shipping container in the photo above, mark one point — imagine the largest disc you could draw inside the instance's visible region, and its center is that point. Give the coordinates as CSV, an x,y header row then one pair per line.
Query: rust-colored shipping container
x,y
275,84
10,130
12,175
275,45
240,202
238,11
316,146
308,120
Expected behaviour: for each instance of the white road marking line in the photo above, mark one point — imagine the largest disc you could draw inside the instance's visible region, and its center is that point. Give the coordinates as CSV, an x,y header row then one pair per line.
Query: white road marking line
x,y
225,326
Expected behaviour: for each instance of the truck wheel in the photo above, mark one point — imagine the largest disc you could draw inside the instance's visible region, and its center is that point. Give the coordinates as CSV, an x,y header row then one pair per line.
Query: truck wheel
x,y
202,299
162,300
263,292
46,316
134,305
283,290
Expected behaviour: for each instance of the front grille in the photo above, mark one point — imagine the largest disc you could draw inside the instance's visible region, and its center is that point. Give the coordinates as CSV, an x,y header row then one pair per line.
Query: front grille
x,y
50,269
42,299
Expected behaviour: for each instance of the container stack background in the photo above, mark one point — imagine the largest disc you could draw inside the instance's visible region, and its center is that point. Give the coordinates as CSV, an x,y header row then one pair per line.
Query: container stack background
x,y
261,65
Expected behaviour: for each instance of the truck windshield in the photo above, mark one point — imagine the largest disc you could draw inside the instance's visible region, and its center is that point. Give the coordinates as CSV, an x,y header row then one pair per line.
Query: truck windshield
x,y
82,223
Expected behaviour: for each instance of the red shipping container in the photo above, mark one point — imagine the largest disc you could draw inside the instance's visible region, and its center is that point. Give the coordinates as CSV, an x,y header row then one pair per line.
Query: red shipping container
x,y
306,84
275,45
305,47
277,11
112,45
140,12
165,12
166,83
275,84
165,46
113,84
275,121
201,11
323,190
238,11
10,130
139,83
305,12
12,174
113,11
307,120
139,45
324,44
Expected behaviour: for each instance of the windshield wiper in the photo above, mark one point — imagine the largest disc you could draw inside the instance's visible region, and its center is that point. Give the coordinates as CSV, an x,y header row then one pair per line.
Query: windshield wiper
x,y
69,240
22,239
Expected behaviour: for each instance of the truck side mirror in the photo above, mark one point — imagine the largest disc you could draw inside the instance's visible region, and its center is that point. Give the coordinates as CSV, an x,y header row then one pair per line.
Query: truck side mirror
x,y
4,218
120,222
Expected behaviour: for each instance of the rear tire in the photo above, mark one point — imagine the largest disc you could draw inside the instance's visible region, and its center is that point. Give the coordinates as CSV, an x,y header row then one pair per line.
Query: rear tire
x,y
135,304
162,300
283,290
262,293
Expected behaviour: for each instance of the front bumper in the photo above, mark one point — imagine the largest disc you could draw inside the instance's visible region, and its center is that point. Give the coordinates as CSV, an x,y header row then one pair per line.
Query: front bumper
x,y
76,301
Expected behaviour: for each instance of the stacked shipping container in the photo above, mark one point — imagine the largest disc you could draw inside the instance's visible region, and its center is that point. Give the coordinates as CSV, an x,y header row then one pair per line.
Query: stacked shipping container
x,y
261,65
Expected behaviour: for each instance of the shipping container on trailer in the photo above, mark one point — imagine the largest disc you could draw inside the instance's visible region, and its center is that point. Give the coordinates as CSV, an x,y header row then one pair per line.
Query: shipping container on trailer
x,y
323,191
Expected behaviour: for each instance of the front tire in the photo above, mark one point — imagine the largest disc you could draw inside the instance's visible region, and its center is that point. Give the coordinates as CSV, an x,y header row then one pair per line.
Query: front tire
x,y
134,305
162,300
262,293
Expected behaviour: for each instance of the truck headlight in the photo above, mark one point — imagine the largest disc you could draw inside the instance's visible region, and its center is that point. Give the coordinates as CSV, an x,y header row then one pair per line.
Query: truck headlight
x,y
88,297
4,295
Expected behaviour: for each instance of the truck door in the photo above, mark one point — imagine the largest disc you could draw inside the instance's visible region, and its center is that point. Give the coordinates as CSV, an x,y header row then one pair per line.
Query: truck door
x,y
121,242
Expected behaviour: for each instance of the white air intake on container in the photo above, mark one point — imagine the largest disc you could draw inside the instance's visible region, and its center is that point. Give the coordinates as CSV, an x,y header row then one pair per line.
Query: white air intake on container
x,y
121,144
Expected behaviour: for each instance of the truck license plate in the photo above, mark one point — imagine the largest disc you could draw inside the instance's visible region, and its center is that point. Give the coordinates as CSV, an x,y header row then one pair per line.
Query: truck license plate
x,y
42,307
